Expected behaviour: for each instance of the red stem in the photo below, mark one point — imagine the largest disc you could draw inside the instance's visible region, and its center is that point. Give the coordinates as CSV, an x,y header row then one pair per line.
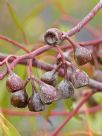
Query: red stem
x,y
92,83
75,111
86,43
84,21
74,44
74,20
31,54
11,112
14,43
94,32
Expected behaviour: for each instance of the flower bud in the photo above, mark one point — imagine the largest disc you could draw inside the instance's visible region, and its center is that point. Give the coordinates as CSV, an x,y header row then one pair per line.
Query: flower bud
x,y
79,78
82,55
14,83
65,89
48,93
35,103
19,99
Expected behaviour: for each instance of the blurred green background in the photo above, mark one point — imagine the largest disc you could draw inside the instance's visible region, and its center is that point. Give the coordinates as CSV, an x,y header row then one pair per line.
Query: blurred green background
x,y
31,18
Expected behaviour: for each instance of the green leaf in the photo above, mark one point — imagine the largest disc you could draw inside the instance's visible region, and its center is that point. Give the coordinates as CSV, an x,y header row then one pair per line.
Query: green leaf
x,y
21,71
7,128
14,16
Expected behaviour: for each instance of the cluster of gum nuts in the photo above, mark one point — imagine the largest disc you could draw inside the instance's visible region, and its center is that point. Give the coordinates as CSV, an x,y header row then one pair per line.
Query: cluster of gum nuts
x,y
50,90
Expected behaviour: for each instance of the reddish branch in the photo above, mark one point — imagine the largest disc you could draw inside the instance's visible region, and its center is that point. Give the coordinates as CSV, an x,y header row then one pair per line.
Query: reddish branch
x,y
84,21
92,83
35,63
13,42
75,111
30,55
20,46
86,43
11,112
73,20
93,31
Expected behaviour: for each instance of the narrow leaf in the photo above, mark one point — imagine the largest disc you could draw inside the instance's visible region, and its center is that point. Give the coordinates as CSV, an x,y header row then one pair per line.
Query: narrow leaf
x,y
14,16
7,128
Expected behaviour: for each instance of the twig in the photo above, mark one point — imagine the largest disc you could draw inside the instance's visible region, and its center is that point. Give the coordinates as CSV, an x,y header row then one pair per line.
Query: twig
x,y
74,20
14,43
12,112
75,111
84,21
92,83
